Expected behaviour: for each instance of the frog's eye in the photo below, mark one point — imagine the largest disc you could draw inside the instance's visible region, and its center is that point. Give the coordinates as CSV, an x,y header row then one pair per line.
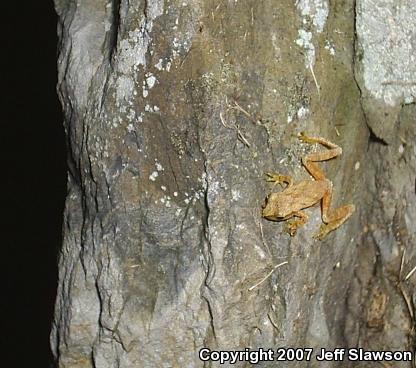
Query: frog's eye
x,y
264,205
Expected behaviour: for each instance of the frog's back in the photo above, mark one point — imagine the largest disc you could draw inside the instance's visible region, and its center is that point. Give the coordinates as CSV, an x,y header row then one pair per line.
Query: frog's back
x,y
306,193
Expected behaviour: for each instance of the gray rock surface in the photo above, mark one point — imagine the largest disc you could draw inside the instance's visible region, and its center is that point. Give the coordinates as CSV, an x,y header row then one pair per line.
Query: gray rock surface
x,y
174,110
386,42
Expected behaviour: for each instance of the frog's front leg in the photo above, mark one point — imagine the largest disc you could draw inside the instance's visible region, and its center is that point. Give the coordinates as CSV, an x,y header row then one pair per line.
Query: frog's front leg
x,y
332,218
292,225
278,178
309,160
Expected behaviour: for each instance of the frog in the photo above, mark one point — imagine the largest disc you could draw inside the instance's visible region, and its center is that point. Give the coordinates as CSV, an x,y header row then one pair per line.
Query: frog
x,y
287,205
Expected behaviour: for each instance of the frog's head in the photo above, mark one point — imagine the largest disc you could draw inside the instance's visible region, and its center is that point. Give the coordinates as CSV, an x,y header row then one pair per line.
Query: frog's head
x,y
272,209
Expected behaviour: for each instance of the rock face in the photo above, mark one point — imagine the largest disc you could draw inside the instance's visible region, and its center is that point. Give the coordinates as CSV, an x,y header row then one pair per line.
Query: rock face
x,y
174,110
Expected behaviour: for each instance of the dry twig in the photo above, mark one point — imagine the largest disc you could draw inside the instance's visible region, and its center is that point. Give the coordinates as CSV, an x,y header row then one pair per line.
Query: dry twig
x,y
268,275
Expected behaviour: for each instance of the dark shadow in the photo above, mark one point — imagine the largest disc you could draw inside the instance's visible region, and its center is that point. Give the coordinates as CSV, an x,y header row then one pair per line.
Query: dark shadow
x,y
33,170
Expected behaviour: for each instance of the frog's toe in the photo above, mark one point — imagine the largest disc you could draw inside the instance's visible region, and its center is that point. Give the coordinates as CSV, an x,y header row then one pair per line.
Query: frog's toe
x,y
305,138
291,231
301,136
323,231
292,227
273,177
318,236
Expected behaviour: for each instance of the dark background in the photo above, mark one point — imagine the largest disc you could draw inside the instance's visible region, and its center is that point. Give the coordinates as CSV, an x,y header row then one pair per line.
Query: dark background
x,y
33,172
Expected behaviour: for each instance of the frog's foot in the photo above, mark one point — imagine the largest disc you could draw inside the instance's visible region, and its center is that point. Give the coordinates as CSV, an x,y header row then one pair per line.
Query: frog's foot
x,y
339,216
293,225
323,231
306,139
336,150
278,179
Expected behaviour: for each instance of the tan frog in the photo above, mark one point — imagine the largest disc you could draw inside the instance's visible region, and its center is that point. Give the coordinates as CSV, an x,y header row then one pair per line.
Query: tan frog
x,y
288,203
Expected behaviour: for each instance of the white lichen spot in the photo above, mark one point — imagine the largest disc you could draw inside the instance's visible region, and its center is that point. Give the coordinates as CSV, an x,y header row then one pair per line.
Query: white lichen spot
x,y
214,187
305,41
150,80
316,10
357,165
149,108
166,201
163,188
153,175
302,112
159,166
235,195
175,194
130,128
328,46
408,99
401,149
164,64
159,65
131,115
145,91
133,49
124,89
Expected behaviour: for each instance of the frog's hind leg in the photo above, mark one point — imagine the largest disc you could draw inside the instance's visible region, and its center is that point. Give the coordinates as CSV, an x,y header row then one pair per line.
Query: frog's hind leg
x,y
332,218
309,161
292,225
278,178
